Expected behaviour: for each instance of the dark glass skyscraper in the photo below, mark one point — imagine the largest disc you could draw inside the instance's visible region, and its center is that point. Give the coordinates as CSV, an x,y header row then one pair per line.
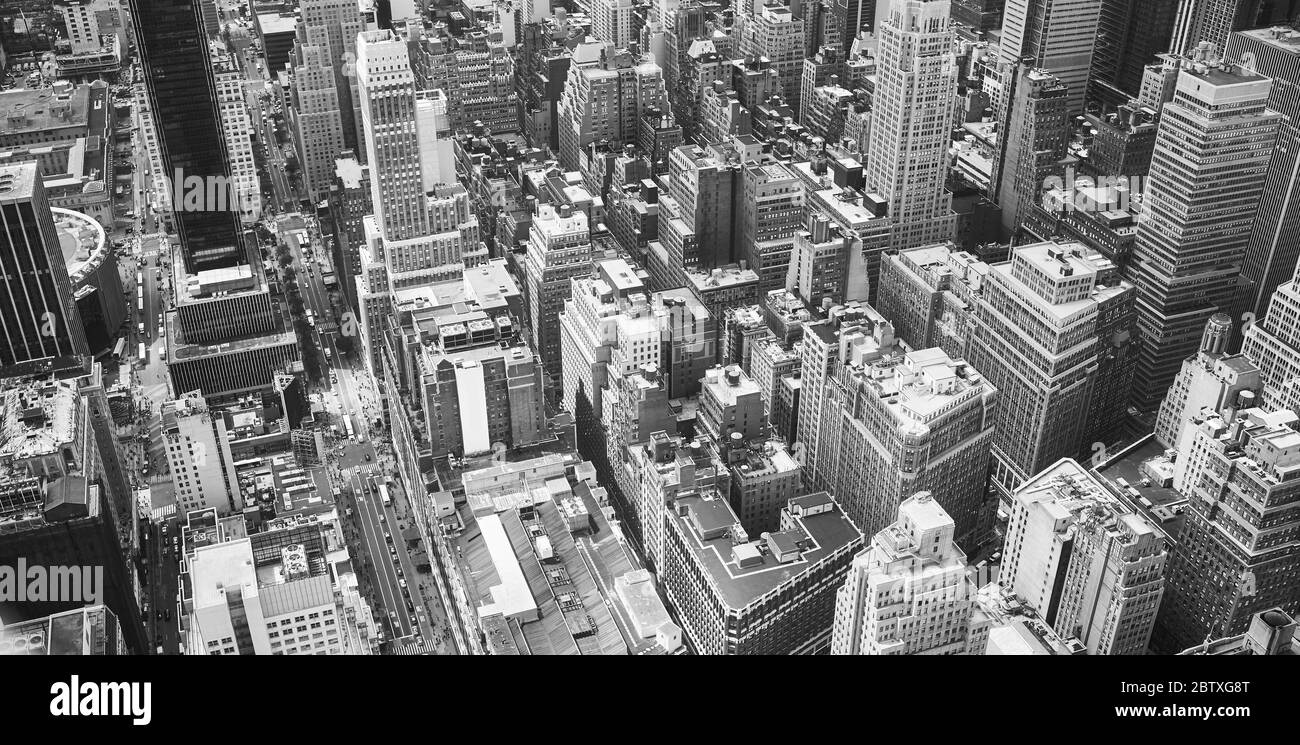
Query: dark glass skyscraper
x,y
183,97
1129,36
38,315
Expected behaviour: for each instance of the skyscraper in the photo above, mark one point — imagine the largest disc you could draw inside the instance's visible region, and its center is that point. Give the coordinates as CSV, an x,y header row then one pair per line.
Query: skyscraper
x,y
1084,560
774,594
56,506
230,78
1212,378
1207,180
334,25
772,212
1032,144
1214,20
604,99
773,31
879,423
1055,35
854,17
174,55
1272,253
38,314
1129,36
1237,553
1274,345
908,160
315,114
559,249
198,456
909,592
1069,306
392,141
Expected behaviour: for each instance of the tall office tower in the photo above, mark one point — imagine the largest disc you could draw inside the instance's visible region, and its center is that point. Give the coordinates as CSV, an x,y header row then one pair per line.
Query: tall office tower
x,y
1087,562
198,454
559,249
703,186
1069,305
611,20
177,69
818,68
315,115
770,595
475,71
854,17
1031,146
1271,255
1129,35
897,423
1159,81
334,25
775,33
1055,35
822,351
979,15
56,505
602,343
1237,553
1123,142
909,592
908,160
612,326
1215,20
603,100
776,370
388,111
1274,345
819,263
772,204
1210,378
928,293
40,319
1207,181
230,78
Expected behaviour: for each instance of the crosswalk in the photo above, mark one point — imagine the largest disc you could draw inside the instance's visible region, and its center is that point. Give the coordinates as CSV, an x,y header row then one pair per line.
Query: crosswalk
x,y
410,646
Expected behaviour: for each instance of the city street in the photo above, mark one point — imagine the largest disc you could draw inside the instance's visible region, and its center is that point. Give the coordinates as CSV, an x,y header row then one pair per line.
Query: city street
x,y
161,621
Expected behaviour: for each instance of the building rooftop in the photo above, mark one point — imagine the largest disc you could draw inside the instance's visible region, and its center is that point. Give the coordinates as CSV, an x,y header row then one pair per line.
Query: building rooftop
x,y
1130,470
716,279
277,22
1280,37
18,181
92,630
37,418
919,385
30,110
728,385
350,171
740,572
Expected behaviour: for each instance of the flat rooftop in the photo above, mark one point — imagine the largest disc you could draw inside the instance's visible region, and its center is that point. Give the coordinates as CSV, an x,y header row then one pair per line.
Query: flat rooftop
x,y
736,585
28,110
18,181
1127,464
